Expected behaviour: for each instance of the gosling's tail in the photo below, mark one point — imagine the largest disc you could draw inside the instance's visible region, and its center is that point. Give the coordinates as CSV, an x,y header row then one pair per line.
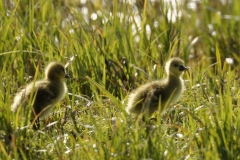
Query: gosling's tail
x,y
18,100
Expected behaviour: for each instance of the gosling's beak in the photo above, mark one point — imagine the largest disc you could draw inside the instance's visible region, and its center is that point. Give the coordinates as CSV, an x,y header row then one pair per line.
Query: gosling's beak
x,y
183,68
66,76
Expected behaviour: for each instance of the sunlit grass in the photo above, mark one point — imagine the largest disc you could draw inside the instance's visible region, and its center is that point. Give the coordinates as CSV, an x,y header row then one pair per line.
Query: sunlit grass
x,y
106,59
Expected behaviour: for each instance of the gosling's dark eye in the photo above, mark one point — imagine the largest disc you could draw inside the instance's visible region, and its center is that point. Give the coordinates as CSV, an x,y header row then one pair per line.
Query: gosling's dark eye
x,y
62,69
175,65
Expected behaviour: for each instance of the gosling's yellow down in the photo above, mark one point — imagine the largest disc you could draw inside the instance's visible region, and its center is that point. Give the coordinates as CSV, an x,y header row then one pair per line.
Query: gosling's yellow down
x,y
149,97
46,93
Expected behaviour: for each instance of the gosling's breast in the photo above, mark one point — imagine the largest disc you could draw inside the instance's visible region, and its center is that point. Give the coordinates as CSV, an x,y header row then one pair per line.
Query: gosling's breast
x,y
176,87
59,88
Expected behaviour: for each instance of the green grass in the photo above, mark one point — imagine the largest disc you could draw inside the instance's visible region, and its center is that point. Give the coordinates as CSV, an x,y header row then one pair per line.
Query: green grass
x,y
106,63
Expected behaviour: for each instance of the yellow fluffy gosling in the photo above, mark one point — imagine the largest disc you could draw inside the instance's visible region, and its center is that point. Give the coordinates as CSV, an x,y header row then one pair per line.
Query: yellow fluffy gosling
x,y
149,97
46,93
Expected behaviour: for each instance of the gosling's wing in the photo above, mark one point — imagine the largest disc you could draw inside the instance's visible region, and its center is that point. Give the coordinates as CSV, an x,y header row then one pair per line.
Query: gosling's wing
x,y
46,95
157,94
144,97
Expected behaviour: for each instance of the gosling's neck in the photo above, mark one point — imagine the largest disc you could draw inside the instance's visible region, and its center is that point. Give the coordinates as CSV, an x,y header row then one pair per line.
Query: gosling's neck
x,y
173,79
53,79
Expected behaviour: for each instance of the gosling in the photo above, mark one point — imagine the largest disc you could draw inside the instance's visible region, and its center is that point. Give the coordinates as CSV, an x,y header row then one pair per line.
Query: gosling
x,y
45,93
150,97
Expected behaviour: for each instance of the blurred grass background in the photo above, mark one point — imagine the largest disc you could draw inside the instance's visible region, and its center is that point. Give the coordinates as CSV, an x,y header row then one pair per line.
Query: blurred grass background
x,y
110,48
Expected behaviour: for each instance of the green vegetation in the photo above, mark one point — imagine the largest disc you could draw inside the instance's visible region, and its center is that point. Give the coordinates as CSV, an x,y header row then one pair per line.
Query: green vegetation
x,y
108,58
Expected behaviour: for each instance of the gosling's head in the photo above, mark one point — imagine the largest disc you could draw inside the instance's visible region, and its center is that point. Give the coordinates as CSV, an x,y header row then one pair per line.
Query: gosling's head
x,y
55,71
175,67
